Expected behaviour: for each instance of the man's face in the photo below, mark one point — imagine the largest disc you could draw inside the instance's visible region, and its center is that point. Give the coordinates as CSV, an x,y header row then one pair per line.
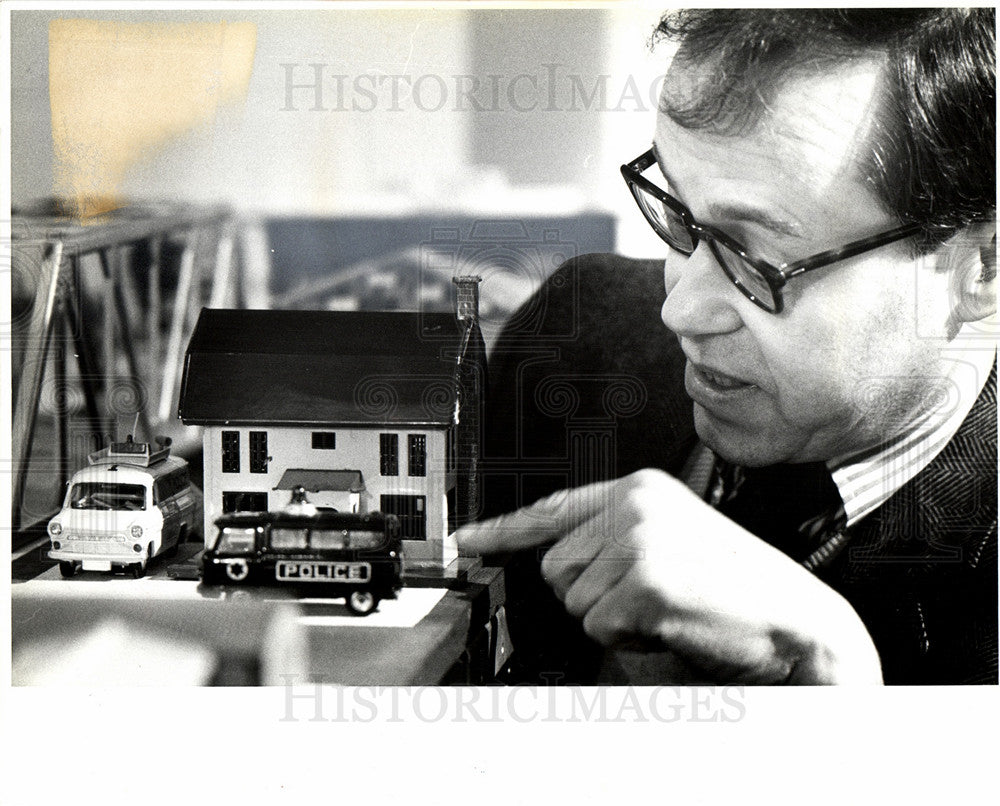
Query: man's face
x,y
855,354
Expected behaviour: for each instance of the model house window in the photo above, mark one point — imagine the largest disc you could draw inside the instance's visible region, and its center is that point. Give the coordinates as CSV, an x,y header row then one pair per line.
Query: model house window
x,y
324,440
389,454
258,451
418,455
411,512
230,451
238,501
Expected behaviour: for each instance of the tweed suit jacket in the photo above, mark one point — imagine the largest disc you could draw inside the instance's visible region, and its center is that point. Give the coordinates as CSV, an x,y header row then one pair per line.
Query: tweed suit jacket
x,y
922,569
586,384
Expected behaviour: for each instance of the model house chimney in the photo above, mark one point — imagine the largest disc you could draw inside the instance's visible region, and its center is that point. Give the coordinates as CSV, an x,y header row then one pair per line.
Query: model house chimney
x,y
472,384
467,300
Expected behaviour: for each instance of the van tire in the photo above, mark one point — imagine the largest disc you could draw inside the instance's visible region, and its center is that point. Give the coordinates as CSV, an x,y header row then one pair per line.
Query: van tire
x,y
139,569
181,537
67,568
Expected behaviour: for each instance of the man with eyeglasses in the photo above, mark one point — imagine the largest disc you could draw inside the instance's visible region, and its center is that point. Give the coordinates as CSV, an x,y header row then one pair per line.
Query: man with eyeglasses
x,y
825,181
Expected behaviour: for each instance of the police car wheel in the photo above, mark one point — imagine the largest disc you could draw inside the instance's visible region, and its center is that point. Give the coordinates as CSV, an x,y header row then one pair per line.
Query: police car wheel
x,y
362,602
238,570
67,568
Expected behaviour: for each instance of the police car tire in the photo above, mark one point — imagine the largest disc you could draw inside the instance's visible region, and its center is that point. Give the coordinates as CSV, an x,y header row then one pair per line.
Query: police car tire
x,y
67,568
362,602
238,570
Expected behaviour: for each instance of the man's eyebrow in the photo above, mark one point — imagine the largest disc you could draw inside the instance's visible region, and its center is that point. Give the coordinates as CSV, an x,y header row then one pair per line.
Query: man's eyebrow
x,y
740,212
755,215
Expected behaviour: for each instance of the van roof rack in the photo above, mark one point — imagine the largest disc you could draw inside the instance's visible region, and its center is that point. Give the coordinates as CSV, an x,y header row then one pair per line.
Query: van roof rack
x,y
129,453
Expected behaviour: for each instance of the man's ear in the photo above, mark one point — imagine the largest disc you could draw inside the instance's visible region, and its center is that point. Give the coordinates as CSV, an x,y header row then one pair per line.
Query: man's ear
x,y
973,264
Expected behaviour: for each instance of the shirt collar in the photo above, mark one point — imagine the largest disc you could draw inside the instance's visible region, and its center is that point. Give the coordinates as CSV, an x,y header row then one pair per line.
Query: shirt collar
x,y
867,479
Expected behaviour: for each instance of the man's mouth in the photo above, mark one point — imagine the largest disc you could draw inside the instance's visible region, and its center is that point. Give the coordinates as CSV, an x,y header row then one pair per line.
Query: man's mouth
x,y
717,382
722,381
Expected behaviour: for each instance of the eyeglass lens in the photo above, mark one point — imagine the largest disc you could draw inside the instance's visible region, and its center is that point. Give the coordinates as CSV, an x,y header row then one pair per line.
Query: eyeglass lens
x,y
669,224
749,280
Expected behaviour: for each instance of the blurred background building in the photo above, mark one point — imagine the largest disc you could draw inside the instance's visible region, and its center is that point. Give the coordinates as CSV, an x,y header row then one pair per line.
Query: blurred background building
x,y
483,112
323,159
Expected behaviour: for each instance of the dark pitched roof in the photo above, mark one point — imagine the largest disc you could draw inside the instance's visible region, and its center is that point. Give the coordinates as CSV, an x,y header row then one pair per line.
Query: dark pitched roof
x,y
321,367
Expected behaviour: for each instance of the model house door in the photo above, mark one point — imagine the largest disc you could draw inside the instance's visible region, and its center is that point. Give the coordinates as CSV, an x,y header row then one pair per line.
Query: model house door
x,y
412,514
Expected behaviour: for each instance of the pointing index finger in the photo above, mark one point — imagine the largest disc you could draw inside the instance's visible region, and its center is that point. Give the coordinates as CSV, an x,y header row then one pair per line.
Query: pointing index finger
x,y
545,521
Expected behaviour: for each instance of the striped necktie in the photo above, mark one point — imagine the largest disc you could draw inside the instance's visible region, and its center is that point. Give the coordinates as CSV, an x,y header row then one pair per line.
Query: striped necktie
x,y
796,508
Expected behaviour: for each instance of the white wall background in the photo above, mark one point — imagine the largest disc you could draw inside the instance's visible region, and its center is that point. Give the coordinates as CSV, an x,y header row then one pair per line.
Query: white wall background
x,y
427,152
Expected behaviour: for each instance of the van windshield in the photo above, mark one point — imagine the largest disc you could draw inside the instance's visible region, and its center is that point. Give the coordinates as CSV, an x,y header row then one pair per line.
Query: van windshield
x,y
105,495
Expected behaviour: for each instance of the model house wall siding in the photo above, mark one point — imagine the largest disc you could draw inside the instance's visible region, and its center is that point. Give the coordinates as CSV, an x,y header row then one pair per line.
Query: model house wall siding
x,y
291,447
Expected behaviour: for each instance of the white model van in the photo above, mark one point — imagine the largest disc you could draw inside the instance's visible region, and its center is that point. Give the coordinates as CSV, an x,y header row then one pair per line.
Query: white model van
x,y
133,502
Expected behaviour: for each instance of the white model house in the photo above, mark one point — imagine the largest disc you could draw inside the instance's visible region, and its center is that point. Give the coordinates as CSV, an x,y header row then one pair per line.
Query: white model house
x,y
367,410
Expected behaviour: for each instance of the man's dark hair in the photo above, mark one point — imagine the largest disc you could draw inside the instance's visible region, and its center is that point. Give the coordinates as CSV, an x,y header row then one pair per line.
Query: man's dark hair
x,y
933,148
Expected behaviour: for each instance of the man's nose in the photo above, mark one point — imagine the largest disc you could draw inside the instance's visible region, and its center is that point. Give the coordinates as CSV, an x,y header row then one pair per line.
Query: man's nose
x,y
701,300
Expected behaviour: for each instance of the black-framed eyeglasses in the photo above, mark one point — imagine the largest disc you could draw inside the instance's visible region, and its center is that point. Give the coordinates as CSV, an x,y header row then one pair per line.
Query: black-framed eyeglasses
x,y
758,280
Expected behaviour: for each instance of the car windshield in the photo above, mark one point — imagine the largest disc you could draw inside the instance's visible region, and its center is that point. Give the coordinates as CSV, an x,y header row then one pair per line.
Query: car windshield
x,y
105,495
236,540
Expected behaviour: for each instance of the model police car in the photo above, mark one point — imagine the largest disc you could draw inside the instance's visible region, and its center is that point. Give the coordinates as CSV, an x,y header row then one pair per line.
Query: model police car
x,y
356,557
133,502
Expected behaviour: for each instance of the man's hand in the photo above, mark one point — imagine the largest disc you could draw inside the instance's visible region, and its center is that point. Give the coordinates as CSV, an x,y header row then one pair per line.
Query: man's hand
x,y
644,561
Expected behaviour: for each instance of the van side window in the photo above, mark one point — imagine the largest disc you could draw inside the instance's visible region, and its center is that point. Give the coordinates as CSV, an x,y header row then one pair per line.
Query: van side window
x,y
170,485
